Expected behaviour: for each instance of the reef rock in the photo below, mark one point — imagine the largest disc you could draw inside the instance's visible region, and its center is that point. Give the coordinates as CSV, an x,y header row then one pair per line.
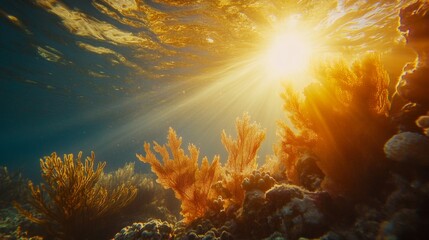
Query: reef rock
x,y
309,174
414,84
408,147
154,229
296,212
423,122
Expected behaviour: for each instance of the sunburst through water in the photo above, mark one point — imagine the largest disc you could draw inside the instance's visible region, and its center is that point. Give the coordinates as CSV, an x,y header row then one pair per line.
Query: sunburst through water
x,y
177,62
107,75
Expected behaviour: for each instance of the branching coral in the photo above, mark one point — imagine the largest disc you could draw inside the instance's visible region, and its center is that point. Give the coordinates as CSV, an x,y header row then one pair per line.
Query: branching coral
x,y
343,121
12,187
71,203
190,183
242,156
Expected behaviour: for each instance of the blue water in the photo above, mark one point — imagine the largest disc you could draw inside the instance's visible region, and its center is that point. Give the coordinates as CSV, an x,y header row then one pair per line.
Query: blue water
x,y
57,96
44,104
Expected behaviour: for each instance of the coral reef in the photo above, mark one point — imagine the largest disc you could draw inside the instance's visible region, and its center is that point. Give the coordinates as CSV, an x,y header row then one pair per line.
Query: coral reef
x,y
71,205
286,210
153,229
340,172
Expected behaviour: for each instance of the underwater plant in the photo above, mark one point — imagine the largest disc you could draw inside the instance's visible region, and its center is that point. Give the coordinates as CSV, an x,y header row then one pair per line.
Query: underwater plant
x,y
242,158
71,204
341,120
192,184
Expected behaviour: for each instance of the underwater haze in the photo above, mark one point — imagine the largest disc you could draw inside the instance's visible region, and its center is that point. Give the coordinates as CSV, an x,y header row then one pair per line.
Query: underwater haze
x,y
66,91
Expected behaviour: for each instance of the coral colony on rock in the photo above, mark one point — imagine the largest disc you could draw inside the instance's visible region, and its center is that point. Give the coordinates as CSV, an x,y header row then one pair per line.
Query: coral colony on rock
x,y
351,160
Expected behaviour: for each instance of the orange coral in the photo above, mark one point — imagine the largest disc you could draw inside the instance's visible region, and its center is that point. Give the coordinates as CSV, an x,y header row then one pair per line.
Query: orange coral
x,y
241,157
190,183
343,120
71,204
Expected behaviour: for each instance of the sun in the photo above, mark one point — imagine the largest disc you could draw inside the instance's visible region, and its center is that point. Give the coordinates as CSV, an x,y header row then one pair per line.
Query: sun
x,y
287,55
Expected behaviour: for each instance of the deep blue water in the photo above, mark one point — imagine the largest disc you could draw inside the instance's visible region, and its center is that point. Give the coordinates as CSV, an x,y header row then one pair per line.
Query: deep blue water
x,y
57,96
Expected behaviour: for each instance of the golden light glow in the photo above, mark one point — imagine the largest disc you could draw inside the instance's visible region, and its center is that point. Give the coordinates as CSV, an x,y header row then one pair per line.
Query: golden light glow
x,y
221,31
288,54
236,53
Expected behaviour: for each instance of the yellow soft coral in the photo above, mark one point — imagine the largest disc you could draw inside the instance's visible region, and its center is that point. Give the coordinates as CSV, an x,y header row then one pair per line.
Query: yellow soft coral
x,y
191,184
343,120
71,204
242,154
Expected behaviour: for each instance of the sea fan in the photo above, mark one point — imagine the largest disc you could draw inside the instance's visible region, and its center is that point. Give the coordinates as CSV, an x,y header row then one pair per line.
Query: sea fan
x,y
242,156
342,120
71,205
191,184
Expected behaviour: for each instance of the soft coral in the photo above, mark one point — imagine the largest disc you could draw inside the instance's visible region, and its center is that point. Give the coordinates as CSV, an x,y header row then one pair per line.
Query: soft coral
x,y
190,183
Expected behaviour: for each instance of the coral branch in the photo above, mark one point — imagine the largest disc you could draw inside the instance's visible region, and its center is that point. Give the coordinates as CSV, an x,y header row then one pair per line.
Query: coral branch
x,y
242,156
190,183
